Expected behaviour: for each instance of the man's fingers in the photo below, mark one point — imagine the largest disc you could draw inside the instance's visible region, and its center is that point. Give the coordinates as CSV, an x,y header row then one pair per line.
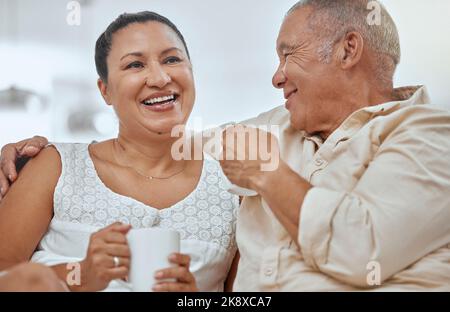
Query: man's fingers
x,y
42,140
33,146
8,159
10,170
11,152
30,151
4,185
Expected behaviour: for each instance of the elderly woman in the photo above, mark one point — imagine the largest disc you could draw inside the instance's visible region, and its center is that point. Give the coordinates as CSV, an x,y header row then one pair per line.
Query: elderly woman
x,y
75,203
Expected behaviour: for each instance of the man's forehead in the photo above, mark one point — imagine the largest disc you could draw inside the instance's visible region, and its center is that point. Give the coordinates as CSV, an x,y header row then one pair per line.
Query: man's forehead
x,y
294,27
290,40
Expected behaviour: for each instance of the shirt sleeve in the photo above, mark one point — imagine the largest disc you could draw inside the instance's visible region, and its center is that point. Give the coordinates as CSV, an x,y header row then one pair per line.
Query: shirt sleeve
x,y
398,212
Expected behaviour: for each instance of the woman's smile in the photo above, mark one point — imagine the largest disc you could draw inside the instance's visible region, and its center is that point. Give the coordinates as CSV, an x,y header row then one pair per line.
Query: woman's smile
x,y
161,102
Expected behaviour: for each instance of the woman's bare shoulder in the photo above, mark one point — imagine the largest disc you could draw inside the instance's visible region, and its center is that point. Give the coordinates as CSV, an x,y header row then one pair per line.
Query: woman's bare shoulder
x,y
101,151
48,160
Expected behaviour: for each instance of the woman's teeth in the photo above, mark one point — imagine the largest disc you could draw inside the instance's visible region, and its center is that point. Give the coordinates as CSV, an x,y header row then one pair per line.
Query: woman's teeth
x,y
160,100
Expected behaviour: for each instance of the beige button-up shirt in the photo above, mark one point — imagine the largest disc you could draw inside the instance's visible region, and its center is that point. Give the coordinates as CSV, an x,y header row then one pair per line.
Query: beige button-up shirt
x,y
379,211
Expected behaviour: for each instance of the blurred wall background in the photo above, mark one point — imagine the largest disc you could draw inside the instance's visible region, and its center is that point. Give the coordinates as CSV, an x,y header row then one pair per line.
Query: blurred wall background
x,y
47,66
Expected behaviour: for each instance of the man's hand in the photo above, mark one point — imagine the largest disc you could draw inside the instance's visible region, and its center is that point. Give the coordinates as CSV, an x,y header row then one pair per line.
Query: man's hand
x,y
250,156
256,164
14,152
30,277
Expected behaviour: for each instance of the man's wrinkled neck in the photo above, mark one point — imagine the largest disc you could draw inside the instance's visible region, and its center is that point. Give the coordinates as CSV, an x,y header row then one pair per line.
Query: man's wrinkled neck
x,y
358,98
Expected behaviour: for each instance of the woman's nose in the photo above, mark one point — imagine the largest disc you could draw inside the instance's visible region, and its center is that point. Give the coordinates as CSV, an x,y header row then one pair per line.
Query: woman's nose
x,y
157,76
279,78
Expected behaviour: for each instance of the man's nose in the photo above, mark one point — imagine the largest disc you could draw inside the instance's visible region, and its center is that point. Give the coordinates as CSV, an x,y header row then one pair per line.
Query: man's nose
x,y
157,76
279,78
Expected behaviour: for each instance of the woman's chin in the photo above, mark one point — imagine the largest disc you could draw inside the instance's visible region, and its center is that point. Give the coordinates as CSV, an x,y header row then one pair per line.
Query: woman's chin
x,y
166,127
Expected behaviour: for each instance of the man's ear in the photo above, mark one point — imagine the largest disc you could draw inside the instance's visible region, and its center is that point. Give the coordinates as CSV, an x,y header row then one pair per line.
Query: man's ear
x,y
351,50
103,87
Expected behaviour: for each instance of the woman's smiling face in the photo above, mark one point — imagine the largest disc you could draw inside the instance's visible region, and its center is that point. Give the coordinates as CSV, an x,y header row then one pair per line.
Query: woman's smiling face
x,y
150,80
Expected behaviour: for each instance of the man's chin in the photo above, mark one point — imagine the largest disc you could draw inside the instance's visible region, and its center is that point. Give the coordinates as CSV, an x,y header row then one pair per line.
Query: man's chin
x,y
297,125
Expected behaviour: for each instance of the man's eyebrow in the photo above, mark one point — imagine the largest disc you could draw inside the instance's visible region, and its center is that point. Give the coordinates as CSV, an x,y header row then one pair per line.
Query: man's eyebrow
x,y
285,46
139,54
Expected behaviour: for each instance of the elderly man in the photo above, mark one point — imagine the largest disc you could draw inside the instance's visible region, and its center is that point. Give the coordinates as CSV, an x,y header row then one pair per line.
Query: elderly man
x,y
360,197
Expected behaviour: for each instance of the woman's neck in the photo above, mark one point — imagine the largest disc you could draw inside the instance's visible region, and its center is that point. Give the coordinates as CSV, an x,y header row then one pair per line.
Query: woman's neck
x,y
149,156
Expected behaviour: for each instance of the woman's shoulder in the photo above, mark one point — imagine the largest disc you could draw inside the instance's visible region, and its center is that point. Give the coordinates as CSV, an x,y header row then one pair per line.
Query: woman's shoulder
x,y
80,151
100,151
64,149
43,168
48,156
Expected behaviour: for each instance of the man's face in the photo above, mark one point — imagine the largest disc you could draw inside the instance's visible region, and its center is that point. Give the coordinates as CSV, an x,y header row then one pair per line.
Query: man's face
x,y
310,86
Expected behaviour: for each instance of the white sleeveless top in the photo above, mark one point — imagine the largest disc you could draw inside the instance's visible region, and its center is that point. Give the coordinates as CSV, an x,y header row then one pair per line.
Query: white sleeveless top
x,y
83,205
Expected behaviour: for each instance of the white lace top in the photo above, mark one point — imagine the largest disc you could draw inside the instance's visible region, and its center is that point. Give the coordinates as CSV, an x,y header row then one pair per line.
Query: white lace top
x,y
206,219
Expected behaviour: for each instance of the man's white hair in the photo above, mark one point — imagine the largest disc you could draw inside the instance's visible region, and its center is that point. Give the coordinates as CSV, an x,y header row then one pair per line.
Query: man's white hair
x,y
333,19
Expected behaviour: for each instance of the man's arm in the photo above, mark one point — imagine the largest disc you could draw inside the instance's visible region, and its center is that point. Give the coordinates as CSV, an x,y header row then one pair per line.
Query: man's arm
x,y
284,192
14,156
281,188
397,213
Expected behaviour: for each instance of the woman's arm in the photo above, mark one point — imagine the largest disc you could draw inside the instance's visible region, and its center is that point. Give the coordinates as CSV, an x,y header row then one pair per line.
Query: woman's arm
x,y
31,277
27,209
11,157
232,273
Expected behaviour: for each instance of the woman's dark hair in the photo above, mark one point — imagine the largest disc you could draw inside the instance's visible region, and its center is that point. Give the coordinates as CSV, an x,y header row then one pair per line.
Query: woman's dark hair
x,y
104,42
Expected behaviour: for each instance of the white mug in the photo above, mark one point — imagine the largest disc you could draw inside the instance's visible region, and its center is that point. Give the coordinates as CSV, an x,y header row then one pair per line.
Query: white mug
x,y
233,188
150,251
237,190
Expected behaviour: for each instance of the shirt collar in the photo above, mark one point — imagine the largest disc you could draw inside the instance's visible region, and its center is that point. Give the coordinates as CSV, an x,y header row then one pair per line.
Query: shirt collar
x,y
403,97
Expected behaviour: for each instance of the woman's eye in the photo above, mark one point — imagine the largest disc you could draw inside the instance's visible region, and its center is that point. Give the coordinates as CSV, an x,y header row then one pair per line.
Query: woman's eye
x,y
134,65
172,60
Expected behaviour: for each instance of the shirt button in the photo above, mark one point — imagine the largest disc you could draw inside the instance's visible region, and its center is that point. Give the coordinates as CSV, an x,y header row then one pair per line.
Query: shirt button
x,y
268,271
156,221
319,162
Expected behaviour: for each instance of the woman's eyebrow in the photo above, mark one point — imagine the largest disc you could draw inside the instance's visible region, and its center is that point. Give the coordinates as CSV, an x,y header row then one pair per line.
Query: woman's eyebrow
x,y
171,49
139,54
